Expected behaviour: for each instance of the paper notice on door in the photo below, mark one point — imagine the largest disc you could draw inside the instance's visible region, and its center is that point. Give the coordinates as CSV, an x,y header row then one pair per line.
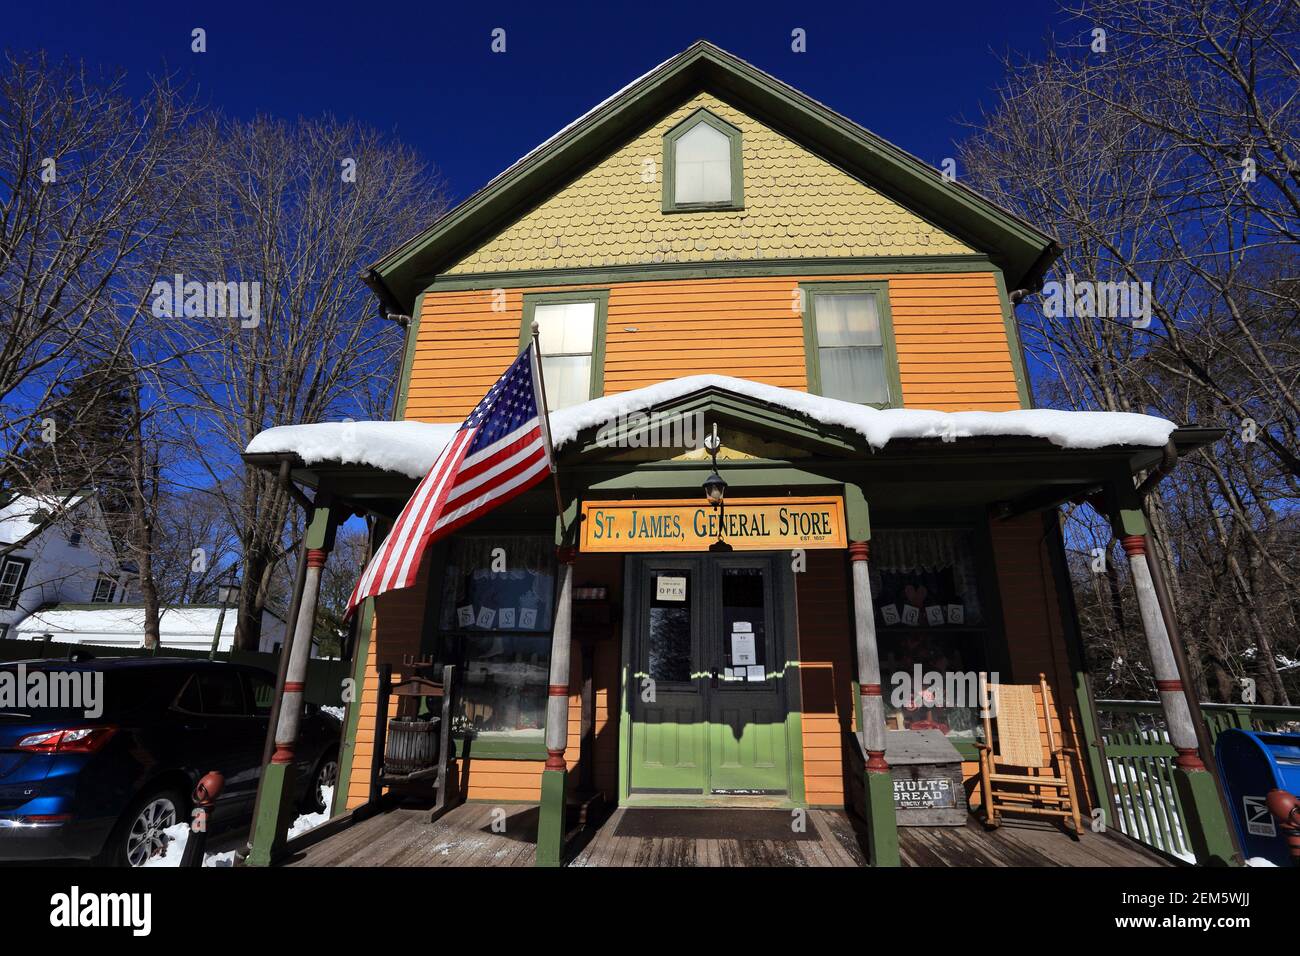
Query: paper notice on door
x,y
742,627
742,649
729,673
465,615
528,618
507,615
670,588
486,617
757,673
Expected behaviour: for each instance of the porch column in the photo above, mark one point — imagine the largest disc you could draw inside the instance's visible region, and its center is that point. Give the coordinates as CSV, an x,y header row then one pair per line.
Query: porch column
x,y
878,792
1206,824
550,820
277,801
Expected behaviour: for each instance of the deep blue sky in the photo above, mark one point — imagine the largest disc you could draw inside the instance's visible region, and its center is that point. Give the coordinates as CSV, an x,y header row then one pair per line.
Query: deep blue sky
x,y
424,71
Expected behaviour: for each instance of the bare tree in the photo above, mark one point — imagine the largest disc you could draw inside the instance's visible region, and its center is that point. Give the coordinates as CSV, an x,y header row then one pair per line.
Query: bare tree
x,y
92,189
294,210
1162,148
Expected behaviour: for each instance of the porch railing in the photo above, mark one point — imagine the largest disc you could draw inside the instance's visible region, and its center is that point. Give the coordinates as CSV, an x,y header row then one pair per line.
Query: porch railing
x,y
1140,762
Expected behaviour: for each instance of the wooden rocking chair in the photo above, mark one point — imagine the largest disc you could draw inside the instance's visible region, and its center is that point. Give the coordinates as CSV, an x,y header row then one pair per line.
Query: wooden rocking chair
x,y
1015,776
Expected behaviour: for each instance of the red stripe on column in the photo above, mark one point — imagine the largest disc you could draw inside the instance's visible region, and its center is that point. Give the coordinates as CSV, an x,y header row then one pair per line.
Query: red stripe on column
x,y
871,690
1134,544
293,687
555,760
858,550
557,690
1169,685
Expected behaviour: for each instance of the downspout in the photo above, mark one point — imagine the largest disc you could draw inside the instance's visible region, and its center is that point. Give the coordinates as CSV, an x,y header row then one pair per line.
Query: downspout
x,y
1165,599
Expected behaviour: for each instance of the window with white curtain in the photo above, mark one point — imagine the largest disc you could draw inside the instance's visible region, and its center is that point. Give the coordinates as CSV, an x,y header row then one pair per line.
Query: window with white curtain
x,y
702,165
703,171
567,338
851,348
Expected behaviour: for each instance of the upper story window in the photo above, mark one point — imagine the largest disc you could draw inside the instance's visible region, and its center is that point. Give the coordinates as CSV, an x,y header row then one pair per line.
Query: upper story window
x,y
849,340
572,340
105,590
702,165
13,572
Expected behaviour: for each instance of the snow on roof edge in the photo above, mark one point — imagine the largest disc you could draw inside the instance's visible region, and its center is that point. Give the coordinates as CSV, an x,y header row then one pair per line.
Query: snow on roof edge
x,y
410,448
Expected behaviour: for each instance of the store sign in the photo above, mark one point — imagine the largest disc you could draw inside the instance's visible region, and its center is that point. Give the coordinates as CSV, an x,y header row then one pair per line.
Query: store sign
x,y
747,524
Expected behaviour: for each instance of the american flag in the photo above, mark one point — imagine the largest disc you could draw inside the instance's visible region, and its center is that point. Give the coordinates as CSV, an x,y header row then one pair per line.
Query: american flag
x,y
502,449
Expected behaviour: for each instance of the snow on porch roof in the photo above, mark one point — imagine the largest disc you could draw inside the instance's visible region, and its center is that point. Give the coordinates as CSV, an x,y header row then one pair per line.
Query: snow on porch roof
x,y
409,448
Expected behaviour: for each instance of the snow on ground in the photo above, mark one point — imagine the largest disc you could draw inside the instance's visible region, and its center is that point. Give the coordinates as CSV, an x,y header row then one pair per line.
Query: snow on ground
x,y
179,834
410,448
309,821
1260,861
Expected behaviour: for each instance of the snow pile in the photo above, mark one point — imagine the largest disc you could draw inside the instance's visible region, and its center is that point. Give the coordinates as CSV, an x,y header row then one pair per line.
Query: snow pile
x,y
1260,861
177,836
309,821
410,448
407,448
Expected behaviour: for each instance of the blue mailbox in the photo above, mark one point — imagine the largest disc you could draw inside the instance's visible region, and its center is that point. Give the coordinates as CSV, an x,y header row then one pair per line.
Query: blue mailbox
x,y
1251,764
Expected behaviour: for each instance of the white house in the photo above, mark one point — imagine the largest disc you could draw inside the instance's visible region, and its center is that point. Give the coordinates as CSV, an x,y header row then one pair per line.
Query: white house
x,y
55,549
183,627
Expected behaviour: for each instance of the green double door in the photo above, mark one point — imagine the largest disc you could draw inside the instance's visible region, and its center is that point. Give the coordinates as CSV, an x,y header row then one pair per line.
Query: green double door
x,y
708,694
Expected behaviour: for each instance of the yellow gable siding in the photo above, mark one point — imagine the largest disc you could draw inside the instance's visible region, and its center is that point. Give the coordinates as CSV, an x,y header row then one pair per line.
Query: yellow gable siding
x,y
952,345
797,205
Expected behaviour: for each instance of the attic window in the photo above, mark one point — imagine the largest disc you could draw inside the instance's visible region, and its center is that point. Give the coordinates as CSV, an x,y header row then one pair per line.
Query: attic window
x,y
702,165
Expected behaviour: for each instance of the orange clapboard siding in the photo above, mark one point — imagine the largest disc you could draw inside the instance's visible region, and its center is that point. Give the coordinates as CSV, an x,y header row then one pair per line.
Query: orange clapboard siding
x,y
947,324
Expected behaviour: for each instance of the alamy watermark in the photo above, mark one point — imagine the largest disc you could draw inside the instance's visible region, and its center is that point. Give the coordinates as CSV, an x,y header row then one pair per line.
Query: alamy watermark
x,y
209,300
653,430
1087,299
43,688
921,688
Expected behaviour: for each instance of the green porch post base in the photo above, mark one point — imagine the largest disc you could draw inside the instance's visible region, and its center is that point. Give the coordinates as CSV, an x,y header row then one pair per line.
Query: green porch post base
x,y
1206,827
550,818
882,825
276,810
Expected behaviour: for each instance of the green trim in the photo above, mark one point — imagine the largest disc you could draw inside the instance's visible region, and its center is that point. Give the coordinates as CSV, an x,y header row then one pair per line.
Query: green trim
x,y
1013,342
321,525
857,513
736,268
550,818
1206,825
275,812
882,825
794,746
1022,250
352,717
601,298
810,291
702,115
408,360
500,749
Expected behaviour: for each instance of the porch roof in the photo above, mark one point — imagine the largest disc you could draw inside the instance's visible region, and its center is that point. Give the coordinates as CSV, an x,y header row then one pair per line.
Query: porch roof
x,y
373,465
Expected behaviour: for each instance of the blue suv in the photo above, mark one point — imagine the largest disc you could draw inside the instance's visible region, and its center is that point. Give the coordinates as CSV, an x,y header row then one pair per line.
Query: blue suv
x,y
103,784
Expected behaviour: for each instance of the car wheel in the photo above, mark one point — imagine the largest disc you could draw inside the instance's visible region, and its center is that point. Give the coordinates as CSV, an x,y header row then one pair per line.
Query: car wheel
x,y
141,832
327,775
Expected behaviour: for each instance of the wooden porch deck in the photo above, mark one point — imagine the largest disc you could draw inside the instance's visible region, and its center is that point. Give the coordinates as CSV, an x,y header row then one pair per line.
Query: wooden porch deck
x,y
481,834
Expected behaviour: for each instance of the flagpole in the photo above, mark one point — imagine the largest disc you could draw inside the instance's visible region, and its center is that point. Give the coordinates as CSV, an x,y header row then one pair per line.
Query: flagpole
x,y
546,418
